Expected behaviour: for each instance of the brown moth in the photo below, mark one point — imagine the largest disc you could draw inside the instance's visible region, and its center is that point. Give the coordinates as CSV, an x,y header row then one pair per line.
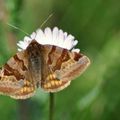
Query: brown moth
x,y
47,66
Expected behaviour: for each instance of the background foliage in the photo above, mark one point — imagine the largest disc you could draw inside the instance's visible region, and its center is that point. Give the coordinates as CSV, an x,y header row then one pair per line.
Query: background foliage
x,y
96,24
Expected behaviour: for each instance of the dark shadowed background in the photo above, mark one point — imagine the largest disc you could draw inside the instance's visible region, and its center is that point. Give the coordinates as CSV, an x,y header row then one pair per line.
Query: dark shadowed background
x,y
96,24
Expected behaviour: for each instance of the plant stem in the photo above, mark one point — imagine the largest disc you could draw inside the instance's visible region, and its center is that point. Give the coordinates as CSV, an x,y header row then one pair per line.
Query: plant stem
x,y
51,106
24,110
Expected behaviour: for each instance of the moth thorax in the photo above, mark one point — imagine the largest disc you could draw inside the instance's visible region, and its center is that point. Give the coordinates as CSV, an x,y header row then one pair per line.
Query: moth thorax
x,y
34,54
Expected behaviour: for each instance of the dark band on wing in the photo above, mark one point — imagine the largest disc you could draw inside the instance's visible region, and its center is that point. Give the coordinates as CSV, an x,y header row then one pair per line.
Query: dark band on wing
x,y
20,61
49,54
77,56
63,57
10,71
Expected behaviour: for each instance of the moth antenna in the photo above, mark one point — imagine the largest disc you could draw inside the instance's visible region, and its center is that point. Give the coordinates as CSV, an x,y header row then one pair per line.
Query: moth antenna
x,y
46,20
17,28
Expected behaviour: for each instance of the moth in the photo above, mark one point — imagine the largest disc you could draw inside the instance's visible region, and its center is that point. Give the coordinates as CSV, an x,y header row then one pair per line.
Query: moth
x,y
47,66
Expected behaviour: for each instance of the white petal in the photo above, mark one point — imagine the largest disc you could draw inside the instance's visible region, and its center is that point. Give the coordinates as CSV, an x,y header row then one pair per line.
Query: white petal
x,y
76,50
26,38
19,49
65,35
60,38
22,45
55,36
69,42
40,37
33,35
75,42
48,35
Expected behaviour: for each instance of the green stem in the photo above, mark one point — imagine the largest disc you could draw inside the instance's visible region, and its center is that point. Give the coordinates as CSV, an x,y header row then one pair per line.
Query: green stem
x,y
51,106
24,110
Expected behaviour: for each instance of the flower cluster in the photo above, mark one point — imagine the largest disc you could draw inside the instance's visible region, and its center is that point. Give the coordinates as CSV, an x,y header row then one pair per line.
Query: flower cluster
x,y
49,36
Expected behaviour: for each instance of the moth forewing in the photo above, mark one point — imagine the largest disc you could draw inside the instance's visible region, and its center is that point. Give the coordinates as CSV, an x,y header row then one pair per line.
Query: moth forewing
x,y
14,80
8,84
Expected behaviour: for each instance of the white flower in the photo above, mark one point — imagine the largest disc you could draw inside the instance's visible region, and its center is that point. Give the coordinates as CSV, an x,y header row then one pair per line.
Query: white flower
x,y
50,37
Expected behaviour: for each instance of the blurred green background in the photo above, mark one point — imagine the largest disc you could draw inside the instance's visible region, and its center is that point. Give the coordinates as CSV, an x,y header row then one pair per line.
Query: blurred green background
x,y
96,24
